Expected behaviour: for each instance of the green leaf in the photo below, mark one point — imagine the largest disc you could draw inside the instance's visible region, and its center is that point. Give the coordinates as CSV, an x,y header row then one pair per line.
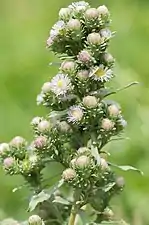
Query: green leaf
x,y
95,154
36,199
43,196
127,168
61,200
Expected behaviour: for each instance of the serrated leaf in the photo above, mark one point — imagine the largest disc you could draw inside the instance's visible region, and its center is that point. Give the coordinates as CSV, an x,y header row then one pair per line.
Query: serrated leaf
x,y
127,168
36,199
61,200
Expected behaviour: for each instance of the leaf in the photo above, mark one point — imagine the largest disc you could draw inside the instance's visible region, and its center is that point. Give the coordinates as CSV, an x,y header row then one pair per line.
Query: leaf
x,y
36,199
109,187
94,151
43,196
86,217
127,168
61,200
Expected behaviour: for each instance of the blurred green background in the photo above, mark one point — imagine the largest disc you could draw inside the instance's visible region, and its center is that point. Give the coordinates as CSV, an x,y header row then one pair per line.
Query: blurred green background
x,y
24,28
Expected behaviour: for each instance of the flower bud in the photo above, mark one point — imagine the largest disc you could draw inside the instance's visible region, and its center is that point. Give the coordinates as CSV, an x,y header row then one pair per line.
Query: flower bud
x,y
120,182
104,164
84,56
105,33
36,120
94,38
18,142
83,150
74,24
4,147
40,99
113,110
8,162
64,126
91,13
108,214
35,220
49,42
40,142
64,13
68,174
46,87
107,124
108,58
83,74
73,162
33,159
44,126
82,161
103,10
90,101
68,66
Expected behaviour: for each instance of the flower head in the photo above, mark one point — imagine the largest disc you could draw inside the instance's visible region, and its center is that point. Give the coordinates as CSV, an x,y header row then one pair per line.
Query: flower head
x,y
64,13
82,161
90,101
104,164
91,13
4,147
68,66
46,87
84,56
55,31
83,74
101,74
94,38
107,124
35,220
120,182
75,114
8,162
106,33
36,120
103,10
79,6
40,99
40,142
113,110
61,84
74,24
17,142
64,126
68,174
83,150
108,58
44,126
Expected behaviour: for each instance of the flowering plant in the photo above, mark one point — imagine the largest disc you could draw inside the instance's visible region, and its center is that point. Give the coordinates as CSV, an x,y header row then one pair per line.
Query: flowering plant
x,y
81,121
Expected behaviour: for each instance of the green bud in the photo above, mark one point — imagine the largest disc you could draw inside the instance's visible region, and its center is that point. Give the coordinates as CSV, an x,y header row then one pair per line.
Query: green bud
x,y
35,220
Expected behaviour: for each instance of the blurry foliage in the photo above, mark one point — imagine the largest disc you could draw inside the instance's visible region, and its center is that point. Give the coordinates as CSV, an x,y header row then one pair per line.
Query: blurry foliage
x,y
24,27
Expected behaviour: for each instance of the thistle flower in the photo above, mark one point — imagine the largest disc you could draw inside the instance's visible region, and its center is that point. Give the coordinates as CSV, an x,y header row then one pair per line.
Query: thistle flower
x,y
40,99
56,29
101,74
35,220
83,74
84,56
106,33
103,164
64,126
113,110
90,102
79,6
91,13
82,150
68,174
61,84
75,114
36,120
74,24
120,182
64,13
94,38
4,147
46,87
108,58
40,142
68,66
107,124
44,126
8,162
103,10
82,161
18,142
